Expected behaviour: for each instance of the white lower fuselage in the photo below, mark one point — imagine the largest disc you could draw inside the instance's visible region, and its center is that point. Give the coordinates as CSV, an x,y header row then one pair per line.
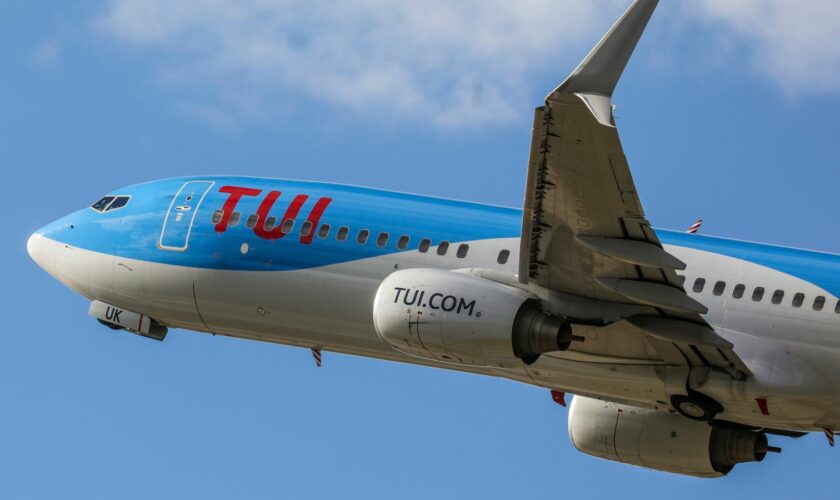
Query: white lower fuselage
x,y
792,352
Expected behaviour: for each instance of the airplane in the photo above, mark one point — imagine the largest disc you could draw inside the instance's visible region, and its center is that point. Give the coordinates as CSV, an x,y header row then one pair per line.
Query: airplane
x,y
684,352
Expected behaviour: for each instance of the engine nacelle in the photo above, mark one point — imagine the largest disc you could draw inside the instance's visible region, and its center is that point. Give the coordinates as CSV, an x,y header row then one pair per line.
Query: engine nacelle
x,y
659,440
458,318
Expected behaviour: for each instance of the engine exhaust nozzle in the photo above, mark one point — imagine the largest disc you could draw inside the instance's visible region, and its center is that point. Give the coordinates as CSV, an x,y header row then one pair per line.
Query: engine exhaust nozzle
x,y
536,332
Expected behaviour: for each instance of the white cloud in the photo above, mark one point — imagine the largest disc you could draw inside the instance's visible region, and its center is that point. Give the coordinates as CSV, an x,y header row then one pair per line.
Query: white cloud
x,y
794,42
45,54
447,63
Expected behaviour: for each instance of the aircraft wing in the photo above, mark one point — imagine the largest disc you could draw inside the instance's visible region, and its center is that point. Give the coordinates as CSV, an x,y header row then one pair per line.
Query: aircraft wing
x,y
584,231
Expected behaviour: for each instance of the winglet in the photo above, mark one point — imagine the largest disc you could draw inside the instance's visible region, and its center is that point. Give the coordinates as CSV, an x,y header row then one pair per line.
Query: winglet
x,y
596,76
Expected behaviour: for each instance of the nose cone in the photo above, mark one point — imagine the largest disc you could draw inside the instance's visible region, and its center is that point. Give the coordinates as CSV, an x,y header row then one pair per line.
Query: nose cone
x,y
41,251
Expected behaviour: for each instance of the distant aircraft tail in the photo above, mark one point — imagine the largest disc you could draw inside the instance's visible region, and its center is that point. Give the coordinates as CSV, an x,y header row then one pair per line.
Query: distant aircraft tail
x,y
695,227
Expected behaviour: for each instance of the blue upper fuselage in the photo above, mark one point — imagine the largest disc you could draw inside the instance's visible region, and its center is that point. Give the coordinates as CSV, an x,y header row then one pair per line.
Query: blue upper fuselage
x,y
137,230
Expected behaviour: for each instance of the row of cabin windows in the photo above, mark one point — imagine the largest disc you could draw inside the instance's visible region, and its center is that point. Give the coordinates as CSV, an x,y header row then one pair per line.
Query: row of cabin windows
x,y
343,232
758,294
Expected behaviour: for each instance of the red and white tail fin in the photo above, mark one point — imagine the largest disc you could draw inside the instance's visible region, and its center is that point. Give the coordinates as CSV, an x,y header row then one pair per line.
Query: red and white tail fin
x,y
695,227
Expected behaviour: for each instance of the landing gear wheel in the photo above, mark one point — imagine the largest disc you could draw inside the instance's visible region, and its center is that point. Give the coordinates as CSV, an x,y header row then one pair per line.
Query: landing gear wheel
x,y
696,406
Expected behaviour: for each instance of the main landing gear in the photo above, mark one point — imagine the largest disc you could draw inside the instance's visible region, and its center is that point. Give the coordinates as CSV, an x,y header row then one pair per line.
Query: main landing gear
x,y
696,406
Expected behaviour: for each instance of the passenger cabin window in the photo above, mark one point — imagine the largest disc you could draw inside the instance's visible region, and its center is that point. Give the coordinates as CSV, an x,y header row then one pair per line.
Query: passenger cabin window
x,y
837,307
719,288
343,231
234,218
324,231
798,299
306,228
443,246
681,278
217,216
287,226
270,223
699,283
777,297
463,248
382,239
362,237
819,303
758,294
119,202
402,243
738,291
251,223
102,204
503,257
425,243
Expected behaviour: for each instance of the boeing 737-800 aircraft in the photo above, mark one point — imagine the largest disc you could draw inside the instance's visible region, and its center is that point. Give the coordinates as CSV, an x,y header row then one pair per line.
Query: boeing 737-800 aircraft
x,y
684,351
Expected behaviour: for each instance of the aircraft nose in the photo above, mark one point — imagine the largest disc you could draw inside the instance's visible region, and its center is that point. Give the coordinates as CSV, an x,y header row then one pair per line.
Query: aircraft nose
x,y
41,252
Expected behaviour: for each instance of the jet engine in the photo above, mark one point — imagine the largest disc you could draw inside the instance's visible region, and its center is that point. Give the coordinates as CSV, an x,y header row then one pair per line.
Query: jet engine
x,y
458,318
661,441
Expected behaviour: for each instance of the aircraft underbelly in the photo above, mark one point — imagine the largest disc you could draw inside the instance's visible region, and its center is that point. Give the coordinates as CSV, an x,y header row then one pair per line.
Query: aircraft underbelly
x,y
330,308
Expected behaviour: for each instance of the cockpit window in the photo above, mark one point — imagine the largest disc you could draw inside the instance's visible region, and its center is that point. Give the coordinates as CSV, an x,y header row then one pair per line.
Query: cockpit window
x,y
119,202
102,204
108,203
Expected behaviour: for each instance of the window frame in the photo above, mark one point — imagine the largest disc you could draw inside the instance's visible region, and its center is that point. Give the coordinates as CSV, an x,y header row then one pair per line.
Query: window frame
x,y
251,221
324,231
424,245
127,201
502,261
288,226
97,202
306,228
442,248
462,251
107,207
342,233
363,236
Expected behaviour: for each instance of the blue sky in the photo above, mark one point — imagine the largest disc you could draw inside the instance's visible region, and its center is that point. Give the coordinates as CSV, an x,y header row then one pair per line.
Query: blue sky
x,y
727,112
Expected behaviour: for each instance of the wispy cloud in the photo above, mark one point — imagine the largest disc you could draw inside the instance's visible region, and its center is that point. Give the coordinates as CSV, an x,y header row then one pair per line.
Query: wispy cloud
x,y
449,64
45,54
792,42
446,63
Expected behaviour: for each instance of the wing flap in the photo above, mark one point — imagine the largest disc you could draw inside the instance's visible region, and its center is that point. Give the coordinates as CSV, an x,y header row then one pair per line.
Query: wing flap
x,y
584,232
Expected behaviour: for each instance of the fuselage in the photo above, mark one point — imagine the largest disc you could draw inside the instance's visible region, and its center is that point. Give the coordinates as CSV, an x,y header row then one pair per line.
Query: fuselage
x,y
299,263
